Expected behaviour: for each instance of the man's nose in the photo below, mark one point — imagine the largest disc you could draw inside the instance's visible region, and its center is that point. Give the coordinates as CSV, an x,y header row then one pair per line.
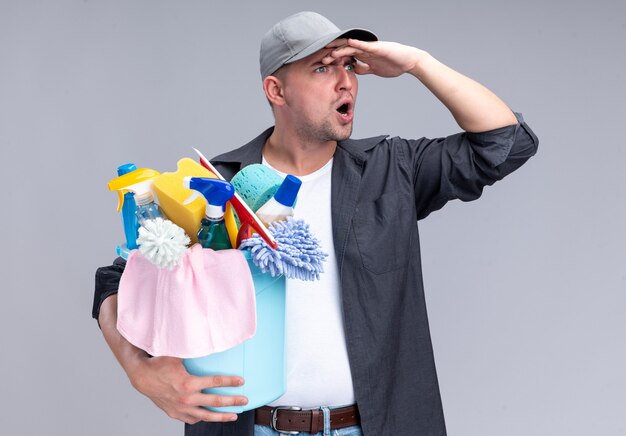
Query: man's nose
x,y
344,79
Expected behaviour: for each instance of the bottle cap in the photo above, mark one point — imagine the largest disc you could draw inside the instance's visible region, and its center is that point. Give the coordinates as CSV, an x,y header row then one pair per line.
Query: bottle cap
x,y
126,168
288,191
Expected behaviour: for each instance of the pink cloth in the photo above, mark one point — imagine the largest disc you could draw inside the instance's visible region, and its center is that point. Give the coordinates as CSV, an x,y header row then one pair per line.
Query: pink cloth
x,y
204,305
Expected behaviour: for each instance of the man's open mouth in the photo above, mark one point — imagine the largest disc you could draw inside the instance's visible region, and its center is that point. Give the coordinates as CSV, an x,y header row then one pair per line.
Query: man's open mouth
x,y
344,109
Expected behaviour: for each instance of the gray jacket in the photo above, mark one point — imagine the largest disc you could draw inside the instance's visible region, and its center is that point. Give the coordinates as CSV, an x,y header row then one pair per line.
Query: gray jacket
x,y
381,187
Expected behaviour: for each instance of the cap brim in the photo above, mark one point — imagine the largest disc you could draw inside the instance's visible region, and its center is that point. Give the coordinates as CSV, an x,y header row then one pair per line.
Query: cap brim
x,y
362,34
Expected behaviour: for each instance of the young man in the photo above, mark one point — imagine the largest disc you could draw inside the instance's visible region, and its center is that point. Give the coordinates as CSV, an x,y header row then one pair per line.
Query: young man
x,y
359,349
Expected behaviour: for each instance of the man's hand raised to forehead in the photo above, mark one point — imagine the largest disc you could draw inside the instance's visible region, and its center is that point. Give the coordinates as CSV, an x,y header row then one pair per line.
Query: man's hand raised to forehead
x,y
382,58
474,107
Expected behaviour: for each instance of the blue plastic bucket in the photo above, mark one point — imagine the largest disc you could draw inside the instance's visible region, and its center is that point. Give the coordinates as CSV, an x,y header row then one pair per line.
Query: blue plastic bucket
x,y
261,359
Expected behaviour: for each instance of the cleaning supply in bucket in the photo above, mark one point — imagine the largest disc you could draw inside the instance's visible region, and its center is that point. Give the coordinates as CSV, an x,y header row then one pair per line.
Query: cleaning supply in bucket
x,y
129,219
139,182
256,184
213,233
171,194
177,312
160,240
244,213
298,255
277,207
204,305
129,181
280,206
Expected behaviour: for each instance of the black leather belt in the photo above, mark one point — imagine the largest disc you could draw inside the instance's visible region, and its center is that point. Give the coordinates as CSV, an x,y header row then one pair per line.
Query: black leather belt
x,y
293,420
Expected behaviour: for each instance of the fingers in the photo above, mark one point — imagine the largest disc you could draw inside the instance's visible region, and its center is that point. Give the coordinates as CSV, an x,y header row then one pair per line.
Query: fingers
x,y
361,50
214,400
337,43
210,400
342,52
193,412
197,401
210,416
197,414
179,394
363,45
191,408
362,68
214,381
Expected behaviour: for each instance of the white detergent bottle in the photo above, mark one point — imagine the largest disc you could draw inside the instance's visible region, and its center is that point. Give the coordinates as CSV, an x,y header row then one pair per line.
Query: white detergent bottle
x,y
280,206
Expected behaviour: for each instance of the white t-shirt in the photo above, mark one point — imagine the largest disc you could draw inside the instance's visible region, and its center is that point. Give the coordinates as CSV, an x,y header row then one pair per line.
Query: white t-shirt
x,y
318,372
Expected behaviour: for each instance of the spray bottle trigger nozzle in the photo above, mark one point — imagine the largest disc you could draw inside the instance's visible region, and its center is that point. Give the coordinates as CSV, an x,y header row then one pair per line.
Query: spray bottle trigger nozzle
x,y
120,200
192,197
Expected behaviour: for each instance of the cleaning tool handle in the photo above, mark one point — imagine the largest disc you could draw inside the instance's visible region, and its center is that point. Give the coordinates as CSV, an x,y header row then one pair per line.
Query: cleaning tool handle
x,y
243,211
244,233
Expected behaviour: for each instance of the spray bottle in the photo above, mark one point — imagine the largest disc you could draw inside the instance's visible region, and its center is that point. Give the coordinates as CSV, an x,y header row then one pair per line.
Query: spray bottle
x,y
161,241
280,206
216,192
131,226
138,182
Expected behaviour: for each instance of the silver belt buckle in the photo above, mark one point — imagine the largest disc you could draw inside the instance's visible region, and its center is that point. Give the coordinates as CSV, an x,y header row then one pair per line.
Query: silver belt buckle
x,y
274,418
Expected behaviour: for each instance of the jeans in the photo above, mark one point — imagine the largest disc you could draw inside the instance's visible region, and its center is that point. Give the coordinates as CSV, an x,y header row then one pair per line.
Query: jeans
x,y
355,430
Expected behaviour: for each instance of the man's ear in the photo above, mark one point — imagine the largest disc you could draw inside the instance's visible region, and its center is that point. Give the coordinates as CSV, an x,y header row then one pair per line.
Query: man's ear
x,y
274,90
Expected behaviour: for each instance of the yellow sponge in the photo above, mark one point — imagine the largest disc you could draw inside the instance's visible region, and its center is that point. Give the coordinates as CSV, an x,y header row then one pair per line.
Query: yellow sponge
x,y
171,193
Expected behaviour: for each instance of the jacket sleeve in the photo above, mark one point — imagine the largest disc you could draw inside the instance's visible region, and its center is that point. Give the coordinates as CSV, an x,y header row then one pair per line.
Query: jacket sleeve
x,y
107,283
459,166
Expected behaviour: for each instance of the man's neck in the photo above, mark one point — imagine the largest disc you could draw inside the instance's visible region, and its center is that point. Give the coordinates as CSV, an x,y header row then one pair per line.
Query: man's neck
x,y
293,155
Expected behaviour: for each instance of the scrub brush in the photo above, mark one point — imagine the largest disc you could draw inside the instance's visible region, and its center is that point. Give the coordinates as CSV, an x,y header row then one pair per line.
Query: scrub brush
x,y
162,242
298,256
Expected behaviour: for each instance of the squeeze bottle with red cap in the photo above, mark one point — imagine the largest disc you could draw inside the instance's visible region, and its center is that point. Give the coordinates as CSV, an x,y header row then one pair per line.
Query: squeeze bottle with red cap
x,y
280,206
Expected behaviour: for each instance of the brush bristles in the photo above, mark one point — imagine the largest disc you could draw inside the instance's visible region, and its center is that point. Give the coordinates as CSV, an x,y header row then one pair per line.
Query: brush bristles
x,y
162,242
